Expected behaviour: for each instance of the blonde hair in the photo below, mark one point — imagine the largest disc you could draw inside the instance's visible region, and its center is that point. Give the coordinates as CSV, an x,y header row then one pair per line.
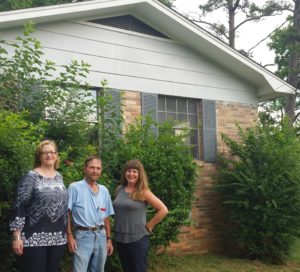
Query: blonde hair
x,y
142,182
38,152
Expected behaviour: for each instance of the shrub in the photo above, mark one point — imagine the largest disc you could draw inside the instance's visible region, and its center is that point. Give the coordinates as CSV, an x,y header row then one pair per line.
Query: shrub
x,y
18,139
65,105
170,168
260,186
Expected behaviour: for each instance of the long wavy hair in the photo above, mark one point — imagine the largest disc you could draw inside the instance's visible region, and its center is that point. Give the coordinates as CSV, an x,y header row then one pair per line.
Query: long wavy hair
x,y
38,153
142,183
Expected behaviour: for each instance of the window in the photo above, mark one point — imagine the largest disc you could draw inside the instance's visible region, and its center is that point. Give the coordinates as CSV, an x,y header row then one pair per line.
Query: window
x,y
185,112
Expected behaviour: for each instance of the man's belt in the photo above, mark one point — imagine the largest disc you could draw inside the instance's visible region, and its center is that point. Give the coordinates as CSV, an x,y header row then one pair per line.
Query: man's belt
x,y
90,228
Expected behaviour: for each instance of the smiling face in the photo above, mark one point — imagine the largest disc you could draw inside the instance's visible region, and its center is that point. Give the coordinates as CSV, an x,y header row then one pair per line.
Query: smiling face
x,y
48,155
93,170
132,176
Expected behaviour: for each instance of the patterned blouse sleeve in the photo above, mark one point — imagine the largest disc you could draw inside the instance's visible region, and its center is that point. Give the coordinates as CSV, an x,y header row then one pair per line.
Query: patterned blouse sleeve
x,y
23,197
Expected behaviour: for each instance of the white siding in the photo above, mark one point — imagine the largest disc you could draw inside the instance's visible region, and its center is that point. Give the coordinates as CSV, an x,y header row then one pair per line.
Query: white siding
x,y
132,61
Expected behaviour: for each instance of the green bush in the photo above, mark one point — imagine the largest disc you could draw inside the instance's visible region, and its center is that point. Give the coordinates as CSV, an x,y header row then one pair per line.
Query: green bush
x,y
64,104
170,168
260,185
18,139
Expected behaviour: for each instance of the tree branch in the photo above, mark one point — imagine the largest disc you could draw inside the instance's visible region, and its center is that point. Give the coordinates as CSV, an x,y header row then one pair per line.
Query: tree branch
x,y
211,25
257,18
249,50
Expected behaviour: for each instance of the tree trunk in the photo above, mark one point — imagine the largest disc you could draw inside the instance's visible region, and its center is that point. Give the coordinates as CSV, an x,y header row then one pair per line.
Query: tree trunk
x,y
231,16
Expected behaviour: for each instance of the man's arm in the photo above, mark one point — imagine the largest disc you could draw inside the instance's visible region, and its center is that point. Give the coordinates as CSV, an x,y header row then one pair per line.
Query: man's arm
x,y
110,248
71,240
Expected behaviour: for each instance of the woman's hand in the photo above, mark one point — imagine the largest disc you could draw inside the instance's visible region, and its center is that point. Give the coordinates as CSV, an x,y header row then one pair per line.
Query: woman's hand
x,y
17,246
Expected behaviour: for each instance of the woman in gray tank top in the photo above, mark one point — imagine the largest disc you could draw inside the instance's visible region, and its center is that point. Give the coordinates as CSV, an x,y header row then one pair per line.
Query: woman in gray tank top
x,y
131,230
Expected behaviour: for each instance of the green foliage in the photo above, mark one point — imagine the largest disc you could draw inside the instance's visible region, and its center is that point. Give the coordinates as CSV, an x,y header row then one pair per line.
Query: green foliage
x,y
61,107
29,83
285,43
171,171
63,101
168,3
260,186
7,5
58,105
170,168
18,139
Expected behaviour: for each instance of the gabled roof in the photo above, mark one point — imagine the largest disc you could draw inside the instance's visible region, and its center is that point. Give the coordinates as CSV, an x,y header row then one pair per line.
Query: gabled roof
x,y
168,22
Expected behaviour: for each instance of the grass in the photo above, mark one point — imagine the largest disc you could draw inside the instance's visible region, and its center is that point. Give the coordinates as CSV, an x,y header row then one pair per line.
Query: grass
x,y
208,263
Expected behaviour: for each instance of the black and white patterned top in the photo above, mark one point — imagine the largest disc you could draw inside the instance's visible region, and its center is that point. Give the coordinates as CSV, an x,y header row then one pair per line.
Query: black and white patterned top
x,y
40,210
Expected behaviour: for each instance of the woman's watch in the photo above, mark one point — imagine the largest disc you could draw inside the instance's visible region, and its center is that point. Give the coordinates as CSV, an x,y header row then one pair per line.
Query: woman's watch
x,y
108,238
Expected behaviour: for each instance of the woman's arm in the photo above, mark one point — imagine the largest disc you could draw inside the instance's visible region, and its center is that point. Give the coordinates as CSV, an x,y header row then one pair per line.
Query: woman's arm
x,y
22,198
159,206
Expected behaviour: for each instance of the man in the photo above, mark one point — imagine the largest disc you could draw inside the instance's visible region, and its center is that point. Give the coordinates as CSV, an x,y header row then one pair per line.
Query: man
x,y
90,207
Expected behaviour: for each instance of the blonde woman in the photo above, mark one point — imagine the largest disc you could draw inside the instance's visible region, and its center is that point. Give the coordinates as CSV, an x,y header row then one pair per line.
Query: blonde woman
x,y
39,217
131,230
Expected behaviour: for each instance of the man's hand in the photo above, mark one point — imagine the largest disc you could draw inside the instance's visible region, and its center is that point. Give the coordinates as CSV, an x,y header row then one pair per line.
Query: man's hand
x,y
72,243
110,248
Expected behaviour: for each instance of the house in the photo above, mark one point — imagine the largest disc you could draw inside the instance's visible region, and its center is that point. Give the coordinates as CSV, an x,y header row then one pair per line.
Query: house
x,y
162,62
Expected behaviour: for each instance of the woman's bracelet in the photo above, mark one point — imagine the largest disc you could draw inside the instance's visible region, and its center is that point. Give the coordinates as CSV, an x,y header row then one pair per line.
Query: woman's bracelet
x,y
16,237
148,229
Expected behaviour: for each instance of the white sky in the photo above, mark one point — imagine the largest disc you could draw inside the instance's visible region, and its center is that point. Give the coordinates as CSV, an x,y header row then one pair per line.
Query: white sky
x,y
248,35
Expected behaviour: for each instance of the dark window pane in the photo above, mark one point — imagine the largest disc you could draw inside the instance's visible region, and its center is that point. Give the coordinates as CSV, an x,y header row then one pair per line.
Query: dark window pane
x,y
181,105
192,106
194,143
171,104
171,116
161,117
161,103
182,117
193,120
195,152
184,111
193,137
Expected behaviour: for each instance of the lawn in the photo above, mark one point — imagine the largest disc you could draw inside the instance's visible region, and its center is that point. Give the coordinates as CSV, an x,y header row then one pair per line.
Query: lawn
x,y
207,263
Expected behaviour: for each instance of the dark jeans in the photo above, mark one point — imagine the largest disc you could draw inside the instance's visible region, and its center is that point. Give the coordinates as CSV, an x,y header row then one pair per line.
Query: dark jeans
x,y
133,256
40,259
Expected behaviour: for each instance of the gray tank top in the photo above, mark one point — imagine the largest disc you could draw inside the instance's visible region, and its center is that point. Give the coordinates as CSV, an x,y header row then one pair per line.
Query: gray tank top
x,y
130,218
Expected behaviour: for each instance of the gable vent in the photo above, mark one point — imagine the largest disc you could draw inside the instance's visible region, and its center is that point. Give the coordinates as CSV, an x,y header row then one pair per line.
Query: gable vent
x,y
129,22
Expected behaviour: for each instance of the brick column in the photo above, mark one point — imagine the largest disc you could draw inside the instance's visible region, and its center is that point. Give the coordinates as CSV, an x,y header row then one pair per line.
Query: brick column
x,y
132,106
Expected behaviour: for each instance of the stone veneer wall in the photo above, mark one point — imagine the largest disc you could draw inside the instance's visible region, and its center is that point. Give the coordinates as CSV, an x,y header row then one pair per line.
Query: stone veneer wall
x,y
206,234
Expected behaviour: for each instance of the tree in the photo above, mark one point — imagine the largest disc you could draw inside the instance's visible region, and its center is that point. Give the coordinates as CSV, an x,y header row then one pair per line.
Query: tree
x,y
168,3
249,9
286,44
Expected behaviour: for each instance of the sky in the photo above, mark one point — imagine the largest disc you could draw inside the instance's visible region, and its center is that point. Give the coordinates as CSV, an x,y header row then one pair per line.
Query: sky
x,y
248,35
